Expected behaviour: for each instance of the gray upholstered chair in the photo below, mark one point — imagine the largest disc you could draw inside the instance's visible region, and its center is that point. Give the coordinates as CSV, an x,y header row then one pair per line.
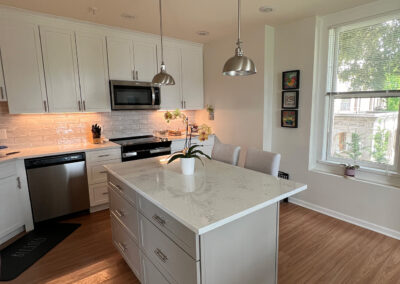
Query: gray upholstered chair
x,y
225,152
262,161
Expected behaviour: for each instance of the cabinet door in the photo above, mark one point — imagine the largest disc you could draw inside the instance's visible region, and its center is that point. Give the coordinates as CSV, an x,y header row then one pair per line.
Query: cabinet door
x,y
23,67
171,96
93,72
192,77
61,69
145,60
120,58
3,95
10,206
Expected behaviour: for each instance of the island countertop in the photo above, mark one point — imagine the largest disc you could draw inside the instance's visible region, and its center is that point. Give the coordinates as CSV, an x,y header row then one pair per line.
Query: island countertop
x,y
215,195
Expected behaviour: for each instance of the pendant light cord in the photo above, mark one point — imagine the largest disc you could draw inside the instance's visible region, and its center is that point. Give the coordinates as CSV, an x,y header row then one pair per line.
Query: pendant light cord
x,y
239,4
161,32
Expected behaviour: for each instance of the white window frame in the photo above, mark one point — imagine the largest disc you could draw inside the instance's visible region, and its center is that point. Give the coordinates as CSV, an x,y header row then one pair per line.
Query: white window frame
x,y
331,96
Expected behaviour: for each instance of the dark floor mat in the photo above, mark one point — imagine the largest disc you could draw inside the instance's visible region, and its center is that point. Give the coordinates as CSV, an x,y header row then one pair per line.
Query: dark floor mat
x,y
20,255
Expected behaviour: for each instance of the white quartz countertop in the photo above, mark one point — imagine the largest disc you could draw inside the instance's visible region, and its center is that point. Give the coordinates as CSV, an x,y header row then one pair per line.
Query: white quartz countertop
x,y
34,152
216,194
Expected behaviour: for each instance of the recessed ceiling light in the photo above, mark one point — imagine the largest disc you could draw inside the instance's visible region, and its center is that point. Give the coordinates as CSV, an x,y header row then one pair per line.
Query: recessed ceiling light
x,y
202,33
128,16
265,9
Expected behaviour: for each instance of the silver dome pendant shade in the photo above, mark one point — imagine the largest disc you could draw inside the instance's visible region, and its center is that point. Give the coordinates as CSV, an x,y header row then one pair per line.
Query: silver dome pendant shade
x,y
162,78
239,65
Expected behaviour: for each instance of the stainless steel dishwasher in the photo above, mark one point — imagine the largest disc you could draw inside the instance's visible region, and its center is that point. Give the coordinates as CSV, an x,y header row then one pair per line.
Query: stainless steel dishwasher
x,y
57,185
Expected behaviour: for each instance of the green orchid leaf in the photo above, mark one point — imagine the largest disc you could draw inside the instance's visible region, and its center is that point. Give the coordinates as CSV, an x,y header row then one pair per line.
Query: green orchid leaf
x,y
175,157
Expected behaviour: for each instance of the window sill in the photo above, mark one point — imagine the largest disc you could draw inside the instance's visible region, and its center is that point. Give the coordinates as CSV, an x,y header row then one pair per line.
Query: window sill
x,y
369,175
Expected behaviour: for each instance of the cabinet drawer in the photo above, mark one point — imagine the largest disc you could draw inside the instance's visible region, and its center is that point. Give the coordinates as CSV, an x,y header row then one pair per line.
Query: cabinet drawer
x,y
97,173
125,213
150,274
166,255
183,236
126,246
103,155
98,194
8,169
126,192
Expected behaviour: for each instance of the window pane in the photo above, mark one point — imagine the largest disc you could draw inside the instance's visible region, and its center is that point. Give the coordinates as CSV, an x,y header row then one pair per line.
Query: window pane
x,y
365,129
368,58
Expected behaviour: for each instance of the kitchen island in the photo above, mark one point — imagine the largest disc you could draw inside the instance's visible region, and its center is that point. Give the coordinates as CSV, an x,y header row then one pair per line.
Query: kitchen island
x,y
218,226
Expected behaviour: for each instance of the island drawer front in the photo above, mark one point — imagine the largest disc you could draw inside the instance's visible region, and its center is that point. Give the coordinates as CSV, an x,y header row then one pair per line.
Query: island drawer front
x,y
126,246
150,273
103,155
124,190
166,255
180,234
125,213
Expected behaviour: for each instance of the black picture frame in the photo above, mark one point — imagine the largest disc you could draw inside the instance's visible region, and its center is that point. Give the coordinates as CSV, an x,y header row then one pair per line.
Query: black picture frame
x,y
284,101
289,74
295,118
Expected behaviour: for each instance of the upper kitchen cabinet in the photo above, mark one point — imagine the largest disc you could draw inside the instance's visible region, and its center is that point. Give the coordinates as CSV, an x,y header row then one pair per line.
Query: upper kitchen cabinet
x,y
3,95
61,69
185,63
192,77
171,96
93,72
23,67
131,59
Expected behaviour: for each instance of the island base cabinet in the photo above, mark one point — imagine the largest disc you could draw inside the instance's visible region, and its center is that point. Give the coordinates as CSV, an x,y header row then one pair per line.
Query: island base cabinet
x,y
126,246
243,251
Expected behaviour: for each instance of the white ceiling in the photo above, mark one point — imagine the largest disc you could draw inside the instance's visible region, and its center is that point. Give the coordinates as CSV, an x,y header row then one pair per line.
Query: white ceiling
x,y
182,18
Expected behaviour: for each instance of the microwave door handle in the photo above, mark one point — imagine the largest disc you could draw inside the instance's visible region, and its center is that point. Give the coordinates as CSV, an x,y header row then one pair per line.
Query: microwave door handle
x,y
153,96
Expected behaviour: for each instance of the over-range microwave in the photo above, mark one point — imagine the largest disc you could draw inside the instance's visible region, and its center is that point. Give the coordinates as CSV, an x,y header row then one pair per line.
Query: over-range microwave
x,y
133,95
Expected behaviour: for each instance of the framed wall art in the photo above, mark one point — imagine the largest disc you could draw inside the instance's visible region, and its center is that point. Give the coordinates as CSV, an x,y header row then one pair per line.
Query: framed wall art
x,y
289,118
291,80
290,99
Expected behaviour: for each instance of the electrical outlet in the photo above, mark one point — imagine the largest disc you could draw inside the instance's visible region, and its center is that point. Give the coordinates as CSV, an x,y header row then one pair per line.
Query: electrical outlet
x,y
3,134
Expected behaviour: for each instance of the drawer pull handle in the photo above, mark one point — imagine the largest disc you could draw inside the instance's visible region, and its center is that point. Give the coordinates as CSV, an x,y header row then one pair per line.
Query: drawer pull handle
x,y
105,193
159,220
115,185
121,246
161,255
119,213
102,156
19,183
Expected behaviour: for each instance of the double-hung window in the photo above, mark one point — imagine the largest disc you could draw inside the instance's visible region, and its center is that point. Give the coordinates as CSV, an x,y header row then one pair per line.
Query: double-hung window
x,y
363,89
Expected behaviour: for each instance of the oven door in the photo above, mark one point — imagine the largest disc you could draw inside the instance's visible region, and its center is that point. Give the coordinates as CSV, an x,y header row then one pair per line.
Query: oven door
x,y
128,95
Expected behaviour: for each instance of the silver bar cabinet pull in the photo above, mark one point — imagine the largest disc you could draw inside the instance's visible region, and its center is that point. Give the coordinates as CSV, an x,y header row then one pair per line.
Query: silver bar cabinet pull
x,y
19,183
159,220
45,106
161,255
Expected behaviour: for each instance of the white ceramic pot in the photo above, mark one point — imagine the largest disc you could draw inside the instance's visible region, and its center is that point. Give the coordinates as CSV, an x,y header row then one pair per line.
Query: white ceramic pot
x,y
187,166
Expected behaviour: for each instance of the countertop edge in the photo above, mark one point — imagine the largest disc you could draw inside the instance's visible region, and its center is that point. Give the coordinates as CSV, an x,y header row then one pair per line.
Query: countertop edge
x,y
217,224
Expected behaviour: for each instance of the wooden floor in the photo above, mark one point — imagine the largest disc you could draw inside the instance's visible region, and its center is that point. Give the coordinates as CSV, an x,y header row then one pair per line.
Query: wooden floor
x,y
313,248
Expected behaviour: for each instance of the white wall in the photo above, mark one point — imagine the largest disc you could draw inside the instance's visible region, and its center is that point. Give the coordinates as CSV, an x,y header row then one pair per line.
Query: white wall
x,y
371,205
238,101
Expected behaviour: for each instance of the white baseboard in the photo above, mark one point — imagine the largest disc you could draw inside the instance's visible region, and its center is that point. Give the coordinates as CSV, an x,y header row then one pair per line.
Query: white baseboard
x,y
99,208
367,225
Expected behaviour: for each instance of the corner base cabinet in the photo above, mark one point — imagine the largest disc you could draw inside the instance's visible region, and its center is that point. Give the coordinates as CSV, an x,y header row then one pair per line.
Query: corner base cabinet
x,y
161,247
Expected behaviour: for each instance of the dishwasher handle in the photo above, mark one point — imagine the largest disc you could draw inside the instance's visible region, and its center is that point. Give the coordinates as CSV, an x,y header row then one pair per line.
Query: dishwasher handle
x,y
54,160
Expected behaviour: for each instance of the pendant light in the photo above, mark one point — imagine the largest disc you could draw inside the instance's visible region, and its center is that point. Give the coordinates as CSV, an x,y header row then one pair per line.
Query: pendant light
x,y
163,78
239,65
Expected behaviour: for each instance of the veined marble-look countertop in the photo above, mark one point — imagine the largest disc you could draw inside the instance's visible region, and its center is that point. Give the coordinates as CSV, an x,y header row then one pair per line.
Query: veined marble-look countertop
x,y
34,152
216,194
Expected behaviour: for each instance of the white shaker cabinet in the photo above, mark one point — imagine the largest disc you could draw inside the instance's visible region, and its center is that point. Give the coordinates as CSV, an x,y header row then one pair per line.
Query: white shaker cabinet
x,y
23,67
131,59
61,69
3,95
171,96
93,72
192,77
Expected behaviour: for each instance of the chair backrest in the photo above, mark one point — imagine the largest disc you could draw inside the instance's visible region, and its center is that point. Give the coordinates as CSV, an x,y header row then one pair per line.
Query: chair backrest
x,y
262,161
225,152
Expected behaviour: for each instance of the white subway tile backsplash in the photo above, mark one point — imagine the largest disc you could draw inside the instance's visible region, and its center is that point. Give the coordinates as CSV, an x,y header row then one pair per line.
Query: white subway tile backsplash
x,y
29,130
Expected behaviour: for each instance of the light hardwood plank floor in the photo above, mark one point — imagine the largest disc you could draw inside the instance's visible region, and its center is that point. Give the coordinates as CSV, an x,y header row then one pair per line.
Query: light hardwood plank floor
x,y
313,248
